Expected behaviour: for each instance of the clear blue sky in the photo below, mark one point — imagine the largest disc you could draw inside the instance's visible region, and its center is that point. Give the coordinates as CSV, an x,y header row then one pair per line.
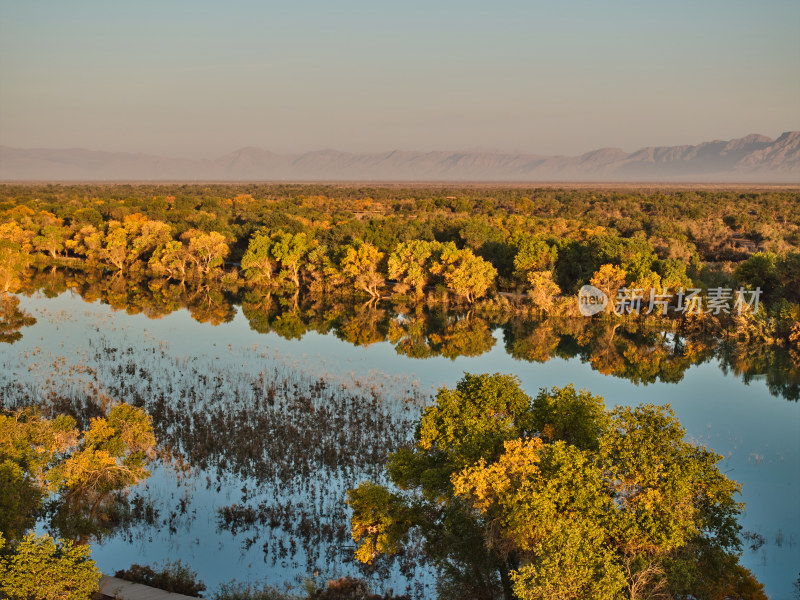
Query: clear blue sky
x,y
197,79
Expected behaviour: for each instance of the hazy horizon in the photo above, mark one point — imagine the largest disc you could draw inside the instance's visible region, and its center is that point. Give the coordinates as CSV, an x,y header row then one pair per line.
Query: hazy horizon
x,y
201,79
477,149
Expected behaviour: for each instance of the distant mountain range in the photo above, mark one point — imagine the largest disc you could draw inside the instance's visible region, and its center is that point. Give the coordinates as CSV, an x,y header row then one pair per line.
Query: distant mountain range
x,y
755,158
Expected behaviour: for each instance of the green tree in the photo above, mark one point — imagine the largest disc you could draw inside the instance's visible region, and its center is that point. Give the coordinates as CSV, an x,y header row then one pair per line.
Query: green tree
x,y
577,261
20,498
673,274
469,276
618,518
576,417
410,263
788,270
758,271
258,263
132,239
35,444
478,232
42,457
556,497
320,272
360,262
289,250
543,291
467,423
533,254
87,215
113,454
172,260
545,503
41,568
51,240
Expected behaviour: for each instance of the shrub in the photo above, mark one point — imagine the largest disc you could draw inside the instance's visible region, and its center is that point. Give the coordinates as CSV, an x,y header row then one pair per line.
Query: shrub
x,y
350,588
173,577
251,591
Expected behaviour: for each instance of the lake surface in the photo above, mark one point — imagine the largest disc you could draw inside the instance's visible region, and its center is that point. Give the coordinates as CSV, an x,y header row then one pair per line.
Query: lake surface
x,y
275,430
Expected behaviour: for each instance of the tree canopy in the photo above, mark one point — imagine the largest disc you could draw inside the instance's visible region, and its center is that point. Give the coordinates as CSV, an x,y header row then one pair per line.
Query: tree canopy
x,y
556,497
77,472
41,568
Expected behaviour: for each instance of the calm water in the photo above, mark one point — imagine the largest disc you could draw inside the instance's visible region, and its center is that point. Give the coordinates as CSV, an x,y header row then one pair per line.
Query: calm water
x,y
264,498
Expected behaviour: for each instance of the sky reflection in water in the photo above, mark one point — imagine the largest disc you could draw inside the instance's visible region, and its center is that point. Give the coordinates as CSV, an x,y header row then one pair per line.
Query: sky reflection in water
x,y
757,432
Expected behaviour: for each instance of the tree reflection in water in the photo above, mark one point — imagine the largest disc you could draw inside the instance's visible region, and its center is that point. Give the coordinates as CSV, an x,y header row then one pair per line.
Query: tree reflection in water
x,y
12,319
642,352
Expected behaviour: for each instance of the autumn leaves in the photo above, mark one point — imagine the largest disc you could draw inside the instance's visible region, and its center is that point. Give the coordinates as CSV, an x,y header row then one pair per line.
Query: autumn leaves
x,y
555,497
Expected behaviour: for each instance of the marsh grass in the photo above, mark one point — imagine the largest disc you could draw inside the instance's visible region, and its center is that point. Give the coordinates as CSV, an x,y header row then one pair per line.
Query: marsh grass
x,y
277,443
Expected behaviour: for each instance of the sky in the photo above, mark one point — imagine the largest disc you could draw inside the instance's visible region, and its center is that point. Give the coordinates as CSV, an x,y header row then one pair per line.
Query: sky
x,y
198,79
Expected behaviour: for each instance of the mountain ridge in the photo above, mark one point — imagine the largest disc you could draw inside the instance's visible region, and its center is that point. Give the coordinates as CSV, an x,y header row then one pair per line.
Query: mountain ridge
x,y
752,158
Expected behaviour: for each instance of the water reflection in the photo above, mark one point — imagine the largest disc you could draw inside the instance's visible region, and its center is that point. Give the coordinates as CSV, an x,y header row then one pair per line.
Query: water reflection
x,y
624,350
12,318
630,350
85,520
271,451
274,447
780,370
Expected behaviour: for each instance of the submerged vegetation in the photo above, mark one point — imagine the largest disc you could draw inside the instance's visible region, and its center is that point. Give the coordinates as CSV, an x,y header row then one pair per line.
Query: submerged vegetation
x,y
332,435
287,443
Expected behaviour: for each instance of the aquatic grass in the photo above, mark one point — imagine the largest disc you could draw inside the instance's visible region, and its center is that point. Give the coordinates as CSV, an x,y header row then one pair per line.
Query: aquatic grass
x,y
279,443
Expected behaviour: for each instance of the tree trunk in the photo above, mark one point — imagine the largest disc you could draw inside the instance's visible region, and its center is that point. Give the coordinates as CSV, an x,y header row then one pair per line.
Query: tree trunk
x,y
508,592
